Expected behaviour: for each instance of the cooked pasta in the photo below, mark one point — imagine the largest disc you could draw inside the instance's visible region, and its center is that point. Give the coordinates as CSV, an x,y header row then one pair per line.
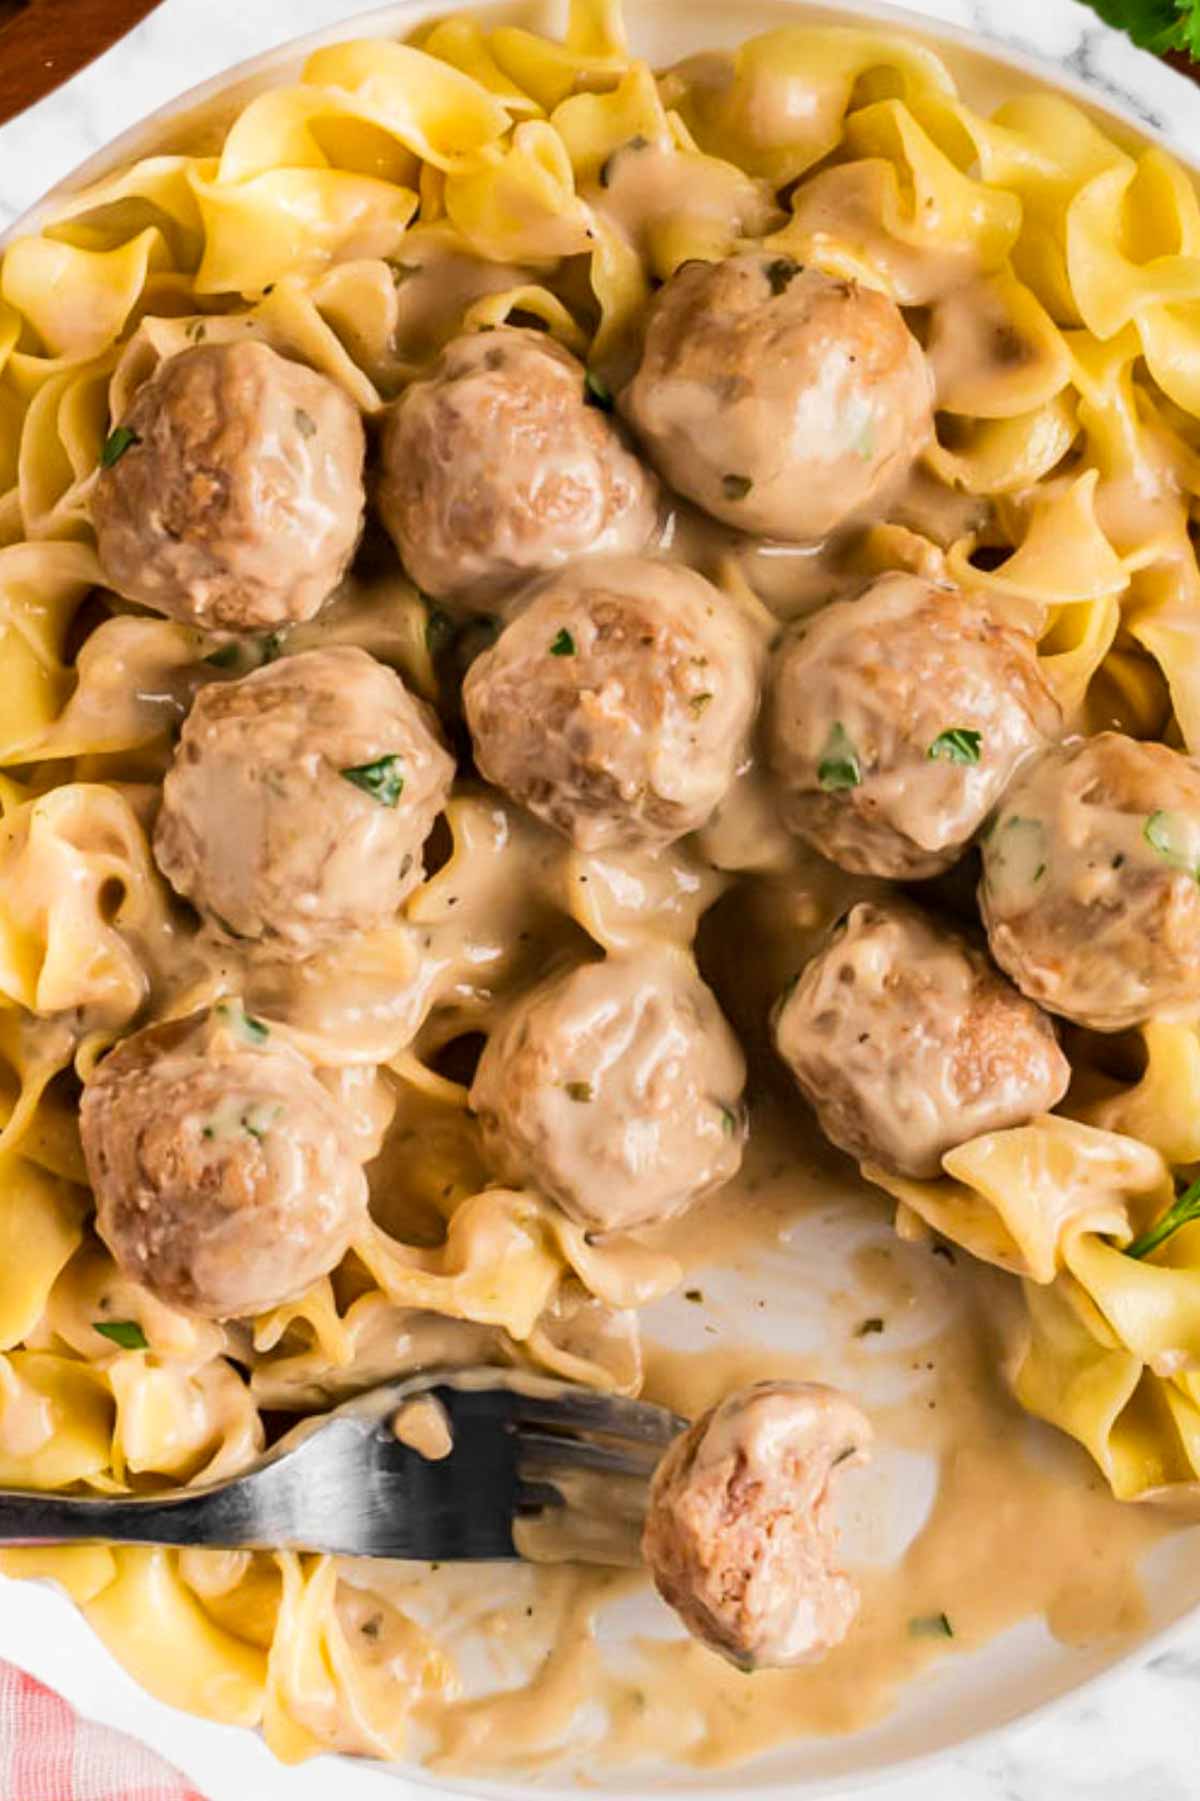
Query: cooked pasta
x,y
354,221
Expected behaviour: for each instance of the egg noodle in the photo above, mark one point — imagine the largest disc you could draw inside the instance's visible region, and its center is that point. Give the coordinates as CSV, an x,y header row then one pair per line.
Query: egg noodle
x,y
356,219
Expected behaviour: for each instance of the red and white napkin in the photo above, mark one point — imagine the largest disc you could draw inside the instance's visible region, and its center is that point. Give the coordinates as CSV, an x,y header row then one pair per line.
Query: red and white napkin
x,y
49,1753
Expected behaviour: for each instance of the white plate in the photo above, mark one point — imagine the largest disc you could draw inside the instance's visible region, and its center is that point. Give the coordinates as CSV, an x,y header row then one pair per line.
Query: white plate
x,y
964,1696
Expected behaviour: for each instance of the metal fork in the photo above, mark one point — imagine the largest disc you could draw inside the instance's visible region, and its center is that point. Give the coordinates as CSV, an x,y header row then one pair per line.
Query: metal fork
x,y
343,1482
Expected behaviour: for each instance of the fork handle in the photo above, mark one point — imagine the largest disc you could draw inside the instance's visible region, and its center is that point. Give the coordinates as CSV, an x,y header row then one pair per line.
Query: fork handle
x,y
214,1516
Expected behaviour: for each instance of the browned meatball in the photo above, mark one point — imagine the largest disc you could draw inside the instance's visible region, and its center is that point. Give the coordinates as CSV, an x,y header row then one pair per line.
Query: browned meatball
x,y
907,1042
300,799
1091,882
779,400
896,722
238,500
615,1089
496,467
738,1536
224,1178
617,704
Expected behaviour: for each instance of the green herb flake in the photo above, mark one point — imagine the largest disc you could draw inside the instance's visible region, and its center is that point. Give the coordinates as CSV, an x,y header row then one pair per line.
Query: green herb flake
x,y
1184,1210
116,444
839,767
579,1091
383,779
736,487
271,647
868,1328
694,1295
699,702
258,1120
781,273
597,392
1167,833
863,443
439,630
232,1014
306,425
930,1625
563,645
957,745
730,1120
228,657
123,1332
197,331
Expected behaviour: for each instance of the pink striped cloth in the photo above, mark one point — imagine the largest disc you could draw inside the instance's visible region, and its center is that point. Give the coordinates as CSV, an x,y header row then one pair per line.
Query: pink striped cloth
x,y
49,1753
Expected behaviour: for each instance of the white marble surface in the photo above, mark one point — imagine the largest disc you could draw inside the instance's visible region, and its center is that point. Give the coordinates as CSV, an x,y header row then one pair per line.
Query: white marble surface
x,y
1133,1738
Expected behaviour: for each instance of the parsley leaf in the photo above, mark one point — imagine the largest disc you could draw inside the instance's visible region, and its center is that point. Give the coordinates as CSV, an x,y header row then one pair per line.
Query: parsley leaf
x,y
1157,25
1167,833
597,392
736,487
930,1625
956,746
123,1332
839,766
579,1091
228,657
1185,1209
383,779
563,645
231,1013
306,425
116,444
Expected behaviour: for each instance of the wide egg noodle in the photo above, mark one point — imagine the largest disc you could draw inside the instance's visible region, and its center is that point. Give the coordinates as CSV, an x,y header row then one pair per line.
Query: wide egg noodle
x,y
355,220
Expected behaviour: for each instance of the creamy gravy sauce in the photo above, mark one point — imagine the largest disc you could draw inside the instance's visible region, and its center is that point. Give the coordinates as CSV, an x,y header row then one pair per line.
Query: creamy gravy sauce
x,y
1018,1522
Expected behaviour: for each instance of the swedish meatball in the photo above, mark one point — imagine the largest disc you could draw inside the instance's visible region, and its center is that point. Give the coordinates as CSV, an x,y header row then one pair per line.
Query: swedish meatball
x,y
495,467
617,704
738,1536
895,723
1090,892
238,501
614,1089
907,1042
224,1178
300,799
781,401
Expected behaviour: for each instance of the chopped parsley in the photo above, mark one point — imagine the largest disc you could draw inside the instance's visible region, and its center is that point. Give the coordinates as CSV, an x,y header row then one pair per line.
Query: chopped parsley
x,y
839,767
439,630
259,1119
306,425
736,487
694,1295
869,1327
782,272
930,1625
232,1013
1167,834
698,703
730,1120
579,1091
958,745
597,392
116,444
1185,1209
383,779
123,1332
272,647
563,645
228,657
197,331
